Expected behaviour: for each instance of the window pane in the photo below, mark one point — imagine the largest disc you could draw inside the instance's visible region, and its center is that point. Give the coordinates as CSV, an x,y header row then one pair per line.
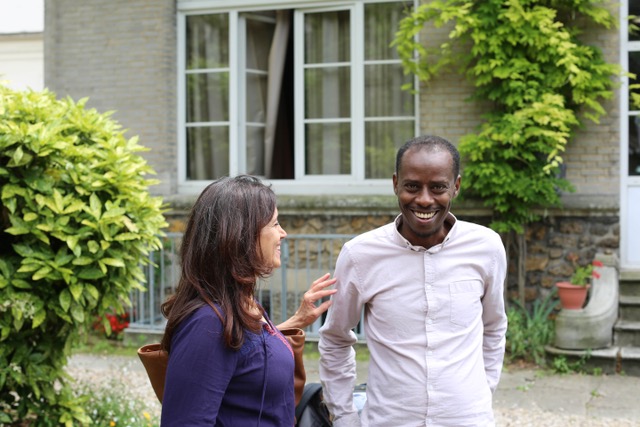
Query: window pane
x,y
207,41
207,97
634,67
327,92
634,145
634,9
382,140
381,24
259,37
327,37
328,149
256,97
207,152
255,150
383,94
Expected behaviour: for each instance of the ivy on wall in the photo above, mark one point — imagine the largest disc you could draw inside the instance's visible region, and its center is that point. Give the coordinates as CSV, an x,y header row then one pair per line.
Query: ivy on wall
x,y
526,59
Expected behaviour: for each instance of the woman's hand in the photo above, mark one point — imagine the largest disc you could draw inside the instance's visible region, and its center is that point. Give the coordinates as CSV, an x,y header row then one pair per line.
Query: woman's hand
x,y
308,312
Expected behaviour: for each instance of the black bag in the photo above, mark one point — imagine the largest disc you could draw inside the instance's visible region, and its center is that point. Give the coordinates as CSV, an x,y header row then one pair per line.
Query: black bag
x,y
311,411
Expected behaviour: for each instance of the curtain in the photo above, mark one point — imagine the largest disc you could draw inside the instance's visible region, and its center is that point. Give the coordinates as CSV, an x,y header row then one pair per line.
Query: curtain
x,y
277,58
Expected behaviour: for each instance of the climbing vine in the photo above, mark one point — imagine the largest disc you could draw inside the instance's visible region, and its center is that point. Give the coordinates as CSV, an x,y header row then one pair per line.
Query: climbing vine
x,y
525,58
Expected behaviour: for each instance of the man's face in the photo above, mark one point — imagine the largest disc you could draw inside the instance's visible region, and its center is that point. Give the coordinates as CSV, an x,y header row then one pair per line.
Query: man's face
x,y
425,187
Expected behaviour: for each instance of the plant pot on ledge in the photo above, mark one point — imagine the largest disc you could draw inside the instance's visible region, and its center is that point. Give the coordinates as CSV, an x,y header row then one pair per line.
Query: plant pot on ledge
x,y
572,297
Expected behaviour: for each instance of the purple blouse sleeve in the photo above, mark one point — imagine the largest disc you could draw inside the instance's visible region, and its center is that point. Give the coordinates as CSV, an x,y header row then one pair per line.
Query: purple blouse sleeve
x,y
199,371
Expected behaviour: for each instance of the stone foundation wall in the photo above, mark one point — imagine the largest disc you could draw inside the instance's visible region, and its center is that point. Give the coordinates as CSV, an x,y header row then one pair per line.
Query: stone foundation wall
x,y
583,232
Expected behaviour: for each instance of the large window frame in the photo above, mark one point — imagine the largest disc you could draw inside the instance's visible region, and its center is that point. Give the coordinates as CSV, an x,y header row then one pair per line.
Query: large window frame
x,y
629,179
353,182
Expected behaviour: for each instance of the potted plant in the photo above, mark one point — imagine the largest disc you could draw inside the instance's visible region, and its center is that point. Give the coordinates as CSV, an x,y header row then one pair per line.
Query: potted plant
x,y
574,292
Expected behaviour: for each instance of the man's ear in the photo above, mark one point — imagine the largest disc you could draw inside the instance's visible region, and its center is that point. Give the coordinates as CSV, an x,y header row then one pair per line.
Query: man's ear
x,y
395,183
457,186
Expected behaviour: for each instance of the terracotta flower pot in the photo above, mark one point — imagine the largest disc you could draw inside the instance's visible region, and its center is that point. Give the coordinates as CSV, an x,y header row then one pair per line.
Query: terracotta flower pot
x,y
572,297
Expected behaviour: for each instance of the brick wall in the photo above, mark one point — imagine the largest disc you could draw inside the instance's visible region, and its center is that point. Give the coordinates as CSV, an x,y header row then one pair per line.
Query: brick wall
x,y
122,55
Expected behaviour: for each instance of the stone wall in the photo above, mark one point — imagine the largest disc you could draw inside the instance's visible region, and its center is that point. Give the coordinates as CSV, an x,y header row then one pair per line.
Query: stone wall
x,y
579,231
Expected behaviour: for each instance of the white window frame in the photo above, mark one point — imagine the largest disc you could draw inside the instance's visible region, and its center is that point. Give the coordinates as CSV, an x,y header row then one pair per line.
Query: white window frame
x,y
302,184
629,206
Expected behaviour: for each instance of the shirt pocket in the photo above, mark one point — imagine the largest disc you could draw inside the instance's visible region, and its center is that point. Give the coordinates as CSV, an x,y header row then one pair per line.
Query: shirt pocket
x,y
466,303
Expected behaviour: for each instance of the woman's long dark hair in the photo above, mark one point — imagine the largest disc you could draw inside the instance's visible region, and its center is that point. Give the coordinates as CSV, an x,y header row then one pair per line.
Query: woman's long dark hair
x,y
220,256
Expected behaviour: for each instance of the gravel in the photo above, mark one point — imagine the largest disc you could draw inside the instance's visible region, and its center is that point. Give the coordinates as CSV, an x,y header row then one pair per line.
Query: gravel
x,y
132,375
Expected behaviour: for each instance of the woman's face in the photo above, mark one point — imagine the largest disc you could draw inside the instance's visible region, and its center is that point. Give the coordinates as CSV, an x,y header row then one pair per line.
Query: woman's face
x,y
270,237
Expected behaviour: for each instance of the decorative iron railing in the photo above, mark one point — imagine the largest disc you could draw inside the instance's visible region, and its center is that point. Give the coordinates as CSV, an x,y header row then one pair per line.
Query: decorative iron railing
x,y
305,257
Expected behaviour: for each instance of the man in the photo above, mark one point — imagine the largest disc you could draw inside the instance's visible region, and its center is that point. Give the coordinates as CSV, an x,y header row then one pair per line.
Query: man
x,y
431,289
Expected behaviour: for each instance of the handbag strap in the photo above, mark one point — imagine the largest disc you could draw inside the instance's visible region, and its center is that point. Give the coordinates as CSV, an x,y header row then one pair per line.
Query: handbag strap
x,y
309,391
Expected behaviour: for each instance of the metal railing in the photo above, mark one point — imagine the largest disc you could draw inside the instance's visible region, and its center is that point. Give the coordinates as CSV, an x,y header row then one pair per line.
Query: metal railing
x,y
305,257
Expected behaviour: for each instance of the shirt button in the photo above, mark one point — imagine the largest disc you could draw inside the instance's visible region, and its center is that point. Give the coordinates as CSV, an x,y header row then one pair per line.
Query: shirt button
x,y
430,321
428,287
430,352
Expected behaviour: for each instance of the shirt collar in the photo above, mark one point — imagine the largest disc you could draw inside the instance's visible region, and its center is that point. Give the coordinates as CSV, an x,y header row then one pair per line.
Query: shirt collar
x,y
400,240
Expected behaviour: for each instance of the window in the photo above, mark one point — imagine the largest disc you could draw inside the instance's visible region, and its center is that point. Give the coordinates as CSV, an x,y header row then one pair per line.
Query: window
x,y
633,58
307,96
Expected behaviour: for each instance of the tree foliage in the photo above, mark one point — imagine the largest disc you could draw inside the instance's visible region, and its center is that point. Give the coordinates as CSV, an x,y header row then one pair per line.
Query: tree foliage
x,y
525,57
76,225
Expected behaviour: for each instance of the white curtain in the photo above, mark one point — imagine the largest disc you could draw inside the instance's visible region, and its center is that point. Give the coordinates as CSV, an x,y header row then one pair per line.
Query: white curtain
x,y
277,56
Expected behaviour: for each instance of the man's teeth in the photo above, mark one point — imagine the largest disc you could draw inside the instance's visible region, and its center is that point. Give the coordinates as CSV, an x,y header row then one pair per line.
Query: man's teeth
x,y
425,215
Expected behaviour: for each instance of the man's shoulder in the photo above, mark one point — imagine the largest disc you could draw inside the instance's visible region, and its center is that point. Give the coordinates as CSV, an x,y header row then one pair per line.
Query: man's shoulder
x,y
377,234
467,228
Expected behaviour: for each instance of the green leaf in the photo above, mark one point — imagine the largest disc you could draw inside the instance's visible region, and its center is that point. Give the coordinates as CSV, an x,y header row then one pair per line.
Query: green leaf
x,y
38,318
42,273
20,284
83,260
76,291
91,273
65,300
30,216
77,313
113,262
92,291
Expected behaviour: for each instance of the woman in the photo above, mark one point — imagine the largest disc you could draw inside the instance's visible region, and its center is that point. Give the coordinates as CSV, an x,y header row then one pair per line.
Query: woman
x,y
228,365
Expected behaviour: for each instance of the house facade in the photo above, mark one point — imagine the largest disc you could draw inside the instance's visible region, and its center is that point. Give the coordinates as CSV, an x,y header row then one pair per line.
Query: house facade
x,y
306,94
21,45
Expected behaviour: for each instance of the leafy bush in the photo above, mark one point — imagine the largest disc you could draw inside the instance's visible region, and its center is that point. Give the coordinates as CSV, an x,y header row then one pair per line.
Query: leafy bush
x,y
530,331
76,225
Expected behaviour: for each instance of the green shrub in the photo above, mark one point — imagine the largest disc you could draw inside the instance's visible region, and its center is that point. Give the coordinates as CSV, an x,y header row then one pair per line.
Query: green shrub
x,y
530,331
76,225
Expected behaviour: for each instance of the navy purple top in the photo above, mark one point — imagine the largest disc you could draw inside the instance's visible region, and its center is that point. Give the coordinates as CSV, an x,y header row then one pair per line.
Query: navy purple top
x,y
209,384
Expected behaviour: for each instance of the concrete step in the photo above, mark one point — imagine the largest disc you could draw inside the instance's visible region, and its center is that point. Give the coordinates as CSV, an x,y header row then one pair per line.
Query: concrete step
x,y
630,361
626,333
610,360
629,308
630,283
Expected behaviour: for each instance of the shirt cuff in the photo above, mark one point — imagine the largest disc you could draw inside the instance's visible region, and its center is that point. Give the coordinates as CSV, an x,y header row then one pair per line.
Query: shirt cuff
x,y
347,420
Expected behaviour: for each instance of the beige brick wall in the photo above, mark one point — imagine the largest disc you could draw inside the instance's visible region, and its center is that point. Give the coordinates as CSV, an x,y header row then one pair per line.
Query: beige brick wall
x,y
122,55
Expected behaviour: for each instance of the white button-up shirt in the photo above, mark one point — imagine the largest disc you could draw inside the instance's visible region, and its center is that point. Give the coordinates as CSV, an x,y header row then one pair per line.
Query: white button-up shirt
x,y
435,325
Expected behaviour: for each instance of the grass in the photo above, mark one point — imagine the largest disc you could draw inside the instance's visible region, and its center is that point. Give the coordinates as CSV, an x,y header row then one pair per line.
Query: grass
x,y
96,343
